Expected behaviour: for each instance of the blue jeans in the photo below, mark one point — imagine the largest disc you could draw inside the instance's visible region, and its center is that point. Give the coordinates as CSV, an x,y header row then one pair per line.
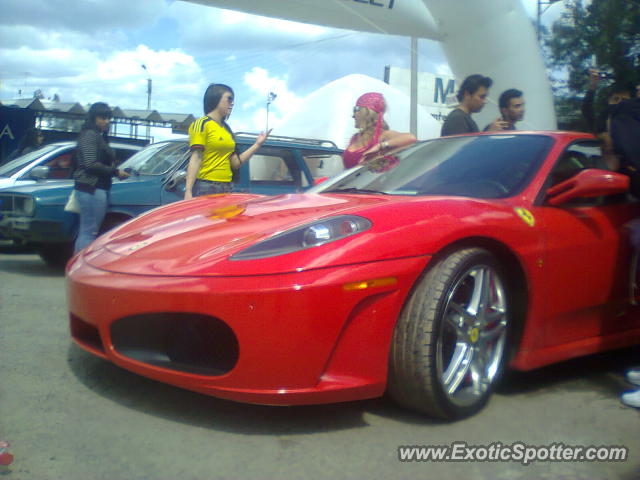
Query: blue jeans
x,y
93,208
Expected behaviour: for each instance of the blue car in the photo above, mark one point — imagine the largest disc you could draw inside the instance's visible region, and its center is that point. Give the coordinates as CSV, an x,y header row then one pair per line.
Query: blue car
x,y
52,161
34,216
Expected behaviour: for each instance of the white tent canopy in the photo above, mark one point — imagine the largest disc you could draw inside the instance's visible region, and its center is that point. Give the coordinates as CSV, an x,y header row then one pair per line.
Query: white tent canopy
x,y
327,113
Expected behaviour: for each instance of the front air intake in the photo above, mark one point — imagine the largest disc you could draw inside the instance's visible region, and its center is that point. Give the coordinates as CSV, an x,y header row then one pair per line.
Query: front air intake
x,y
182,342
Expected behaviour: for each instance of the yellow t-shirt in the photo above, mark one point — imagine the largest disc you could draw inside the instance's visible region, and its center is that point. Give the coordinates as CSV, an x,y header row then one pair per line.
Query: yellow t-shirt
x,y
217,145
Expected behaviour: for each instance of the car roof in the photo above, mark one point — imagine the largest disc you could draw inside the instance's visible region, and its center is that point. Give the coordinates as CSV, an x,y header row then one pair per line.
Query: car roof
x,y
72,143
550,133
297,142
276,141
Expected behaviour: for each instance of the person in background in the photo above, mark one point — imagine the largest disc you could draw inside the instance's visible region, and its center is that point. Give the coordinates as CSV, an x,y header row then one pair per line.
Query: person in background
x,y
213,148
511,104
617,92
95,166
598,124
624,126
472,97
373,136
32,140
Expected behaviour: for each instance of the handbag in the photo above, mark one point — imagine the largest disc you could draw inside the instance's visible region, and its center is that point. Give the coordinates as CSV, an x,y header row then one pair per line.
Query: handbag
x,y
72,205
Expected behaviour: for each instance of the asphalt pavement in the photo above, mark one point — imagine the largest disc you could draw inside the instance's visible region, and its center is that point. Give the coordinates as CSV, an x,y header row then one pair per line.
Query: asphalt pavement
x,y
71,416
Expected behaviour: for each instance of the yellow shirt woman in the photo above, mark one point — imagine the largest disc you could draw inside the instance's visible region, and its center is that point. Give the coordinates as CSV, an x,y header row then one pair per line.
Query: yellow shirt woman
x,y
213,149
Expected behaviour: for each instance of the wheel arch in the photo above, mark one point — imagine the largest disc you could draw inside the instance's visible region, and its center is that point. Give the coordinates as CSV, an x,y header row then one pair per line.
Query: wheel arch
x,y
113,219
516,280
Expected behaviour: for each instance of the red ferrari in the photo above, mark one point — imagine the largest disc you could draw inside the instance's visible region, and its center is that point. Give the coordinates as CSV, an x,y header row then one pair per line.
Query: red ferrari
x,y
424,274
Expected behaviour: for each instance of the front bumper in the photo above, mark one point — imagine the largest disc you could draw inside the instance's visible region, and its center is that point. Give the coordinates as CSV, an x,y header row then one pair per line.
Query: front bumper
x,y
31,230
302,338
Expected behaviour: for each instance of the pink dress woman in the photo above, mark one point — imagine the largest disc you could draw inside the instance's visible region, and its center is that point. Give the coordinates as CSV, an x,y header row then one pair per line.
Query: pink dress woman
x,y
373,101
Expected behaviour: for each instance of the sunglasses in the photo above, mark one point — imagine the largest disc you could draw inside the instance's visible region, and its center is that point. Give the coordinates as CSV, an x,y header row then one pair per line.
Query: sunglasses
x,y
356,109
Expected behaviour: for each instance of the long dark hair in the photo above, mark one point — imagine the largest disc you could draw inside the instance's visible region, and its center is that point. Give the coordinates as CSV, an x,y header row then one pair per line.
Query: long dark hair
x,y
213,94
471,84
98,109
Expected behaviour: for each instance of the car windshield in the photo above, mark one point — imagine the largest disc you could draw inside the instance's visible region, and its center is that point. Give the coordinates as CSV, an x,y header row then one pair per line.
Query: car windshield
x,y
157,158
484,166
14,166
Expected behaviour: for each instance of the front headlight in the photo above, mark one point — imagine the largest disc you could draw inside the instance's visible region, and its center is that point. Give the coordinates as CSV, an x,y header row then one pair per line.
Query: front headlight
x,y
23,205
308,236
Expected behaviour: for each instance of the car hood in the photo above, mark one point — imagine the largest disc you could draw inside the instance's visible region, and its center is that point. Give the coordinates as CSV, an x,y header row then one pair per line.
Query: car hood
x,y
7,182
137,190
198,237
54,191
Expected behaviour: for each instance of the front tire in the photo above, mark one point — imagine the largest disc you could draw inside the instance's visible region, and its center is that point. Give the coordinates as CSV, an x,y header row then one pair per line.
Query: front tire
x,y
449,343
55,254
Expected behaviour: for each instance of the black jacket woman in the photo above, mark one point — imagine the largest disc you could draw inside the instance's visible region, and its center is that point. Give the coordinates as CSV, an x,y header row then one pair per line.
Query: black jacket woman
x,y
95,166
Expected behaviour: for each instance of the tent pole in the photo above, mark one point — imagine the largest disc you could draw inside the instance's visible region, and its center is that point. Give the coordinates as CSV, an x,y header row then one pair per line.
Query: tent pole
x,y
413,119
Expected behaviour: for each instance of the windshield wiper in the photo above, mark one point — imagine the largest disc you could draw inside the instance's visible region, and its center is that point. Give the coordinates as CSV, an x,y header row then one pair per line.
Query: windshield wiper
x,y
354,190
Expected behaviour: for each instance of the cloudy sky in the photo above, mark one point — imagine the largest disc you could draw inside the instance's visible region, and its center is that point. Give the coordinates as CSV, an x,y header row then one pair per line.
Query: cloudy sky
x,y
94,50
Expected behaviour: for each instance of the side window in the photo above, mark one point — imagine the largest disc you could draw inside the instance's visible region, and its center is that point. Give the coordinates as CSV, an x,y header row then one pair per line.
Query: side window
x,y
274,166
60,167
322,165
122,154
577,157
161,160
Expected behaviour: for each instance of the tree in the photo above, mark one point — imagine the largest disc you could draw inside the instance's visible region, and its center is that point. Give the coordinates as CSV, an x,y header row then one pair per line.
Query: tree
x,y
604,34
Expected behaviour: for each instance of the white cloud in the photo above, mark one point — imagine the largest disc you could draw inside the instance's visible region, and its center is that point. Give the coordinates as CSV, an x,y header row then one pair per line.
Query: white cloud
x,y
83,76
259,83
92,50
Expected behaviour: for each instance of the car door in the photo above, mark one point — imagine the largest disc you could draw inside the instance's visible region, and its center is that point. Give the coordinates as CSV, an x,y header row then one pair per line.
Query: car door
x,y
60,166
150,171
319,165
587,256
173,181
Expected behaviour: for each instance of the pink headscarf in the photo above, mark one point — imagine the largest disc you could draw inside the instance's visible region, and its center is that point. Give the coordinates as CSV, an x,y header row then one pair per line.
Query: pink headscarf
x,y
374,101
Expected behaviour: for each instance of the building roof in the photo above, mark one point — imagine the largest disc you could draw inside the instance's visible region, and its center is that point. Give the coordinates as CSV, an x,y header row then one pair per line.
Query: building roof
x,y
178,119
67,107
30,103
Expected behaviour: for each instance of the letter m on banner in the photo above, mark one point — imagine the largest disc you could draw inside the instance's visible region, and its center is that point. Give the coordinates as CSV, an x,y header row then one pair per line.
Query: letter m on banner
x,y
440,93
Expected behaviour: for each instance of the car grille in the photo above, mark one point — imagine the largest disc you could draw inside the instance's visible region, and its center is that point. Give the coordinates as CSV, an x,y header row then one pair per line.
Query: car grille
x,y
16,204
181,342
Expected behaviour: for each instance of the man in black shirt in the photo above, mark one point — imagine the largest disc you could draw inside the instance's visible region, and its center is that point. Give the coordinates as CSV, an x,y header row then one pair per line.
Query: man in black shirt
x,y
472,96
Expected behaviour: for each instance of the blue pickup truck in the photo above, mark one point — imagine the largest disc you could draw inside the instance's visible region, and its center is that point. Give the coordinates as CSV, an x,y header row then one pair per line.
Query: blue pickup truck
x,y
34,216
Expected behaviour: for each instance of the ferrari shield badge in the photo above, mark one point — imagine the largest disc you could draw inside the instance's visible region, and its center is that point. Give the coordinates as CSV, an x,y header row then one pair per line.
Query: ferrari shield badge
x,y
526,216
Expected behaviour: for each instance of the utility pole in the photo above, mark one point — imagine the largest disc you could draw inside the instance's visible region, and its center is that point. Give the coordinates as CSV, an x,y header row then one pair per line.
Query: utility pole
x,y
148,97
413,112
149,93
546,4
270,98
149,86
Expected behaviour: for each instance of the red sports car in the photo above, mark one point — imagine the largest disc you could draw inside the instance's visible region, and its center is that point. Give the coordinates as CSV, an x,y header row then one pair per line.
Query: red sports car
x,y
425,273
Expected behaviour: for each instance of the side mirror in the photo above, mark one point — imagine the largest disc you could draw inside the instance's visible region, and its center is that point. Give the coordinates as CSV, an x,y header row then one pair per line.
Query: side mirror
x,y
39,173
176,179
588,183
